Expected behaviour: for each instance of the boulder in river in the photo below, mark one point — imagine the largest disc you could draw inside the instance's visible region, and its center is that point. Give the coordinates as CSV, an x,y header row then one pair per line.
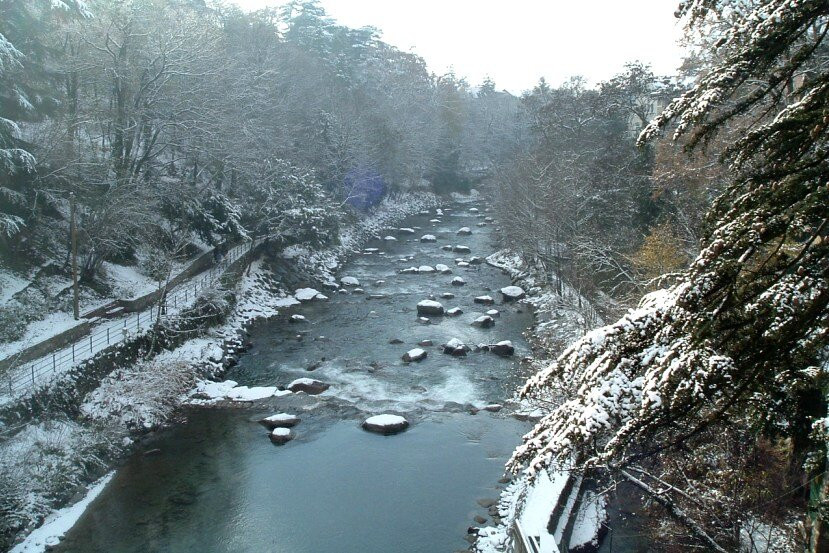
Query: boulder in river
x,y
281,436
425,269
447,295
455,347
424,320
409,271
429,307
463,264
458,281
484,321
464,231
377,296
454,312
475,260
428,238
485,300
473,210
425,343
503,348
385,424
443,269
493,313
446,247
390,239
434,221
461,249
298,319
280,420
349,281
512,293
395,341
308,294
405,230
414,355
358,291
308,385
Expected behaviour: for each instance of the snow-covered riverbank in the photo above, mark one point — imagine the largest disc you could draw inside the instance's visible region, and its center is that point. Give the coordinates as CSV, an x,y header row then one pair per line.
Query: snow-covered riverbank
x,y
47,462
559,319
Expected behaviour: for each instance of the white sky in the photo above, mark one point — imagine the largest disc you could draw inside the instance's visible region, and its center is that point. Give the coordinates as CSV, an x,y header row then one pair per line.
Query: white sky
x,y
517,41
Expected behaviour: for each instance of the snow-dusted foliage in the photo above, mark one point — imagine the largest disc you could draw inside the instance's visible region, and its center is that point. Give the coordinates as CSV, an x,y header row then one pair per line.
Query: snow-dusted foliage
x,y
743,331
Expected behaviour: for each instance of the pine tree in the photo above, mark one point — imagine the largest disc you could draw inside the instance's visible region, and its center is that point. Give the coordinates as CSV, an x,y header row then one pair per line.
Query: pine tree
x,y
745,329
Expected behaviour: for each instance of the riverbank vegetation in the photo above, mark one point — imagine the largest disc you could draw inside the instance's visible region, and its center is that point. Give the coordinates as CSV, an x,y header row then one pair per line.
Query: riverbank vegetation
x,y
710,397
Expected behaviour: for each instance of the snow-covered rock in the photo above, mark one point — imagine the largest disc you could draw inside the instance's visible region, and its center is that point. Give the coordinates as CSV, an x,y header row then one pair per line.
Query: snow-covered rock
x,y
349,281
461,249
446,247
503,348
426,269
409,271
512,293
464,231
454,312
455,347
309,294
493,313
429,307
390,239
458,281
385,424
484,321
463,264
485,300
298,319
253,393
414,355
447,295
424,320
308,385
473,210
405,230
475,260
281,436
443,269
428,238
280,420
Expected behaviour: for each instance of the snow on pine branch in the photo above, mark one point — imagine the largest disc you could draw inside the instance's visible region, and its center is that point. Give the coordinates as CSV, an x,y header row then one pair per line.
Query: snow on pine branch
x,y
621,379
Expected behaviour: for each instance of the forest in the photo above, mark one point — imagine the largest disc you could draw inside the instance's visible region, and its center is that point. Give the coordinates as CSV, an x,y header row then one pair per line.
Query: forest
x,y
667,233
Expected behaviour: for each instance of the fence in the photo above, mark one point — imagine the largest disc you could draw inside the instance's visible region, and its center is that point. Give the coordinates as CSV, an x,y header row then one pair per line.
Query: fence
x,y
29,375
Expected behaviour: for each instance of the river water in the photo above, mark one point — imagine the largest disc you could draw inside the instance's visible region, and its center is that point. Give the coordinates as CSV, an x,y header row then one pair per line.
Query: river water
x,y
215,483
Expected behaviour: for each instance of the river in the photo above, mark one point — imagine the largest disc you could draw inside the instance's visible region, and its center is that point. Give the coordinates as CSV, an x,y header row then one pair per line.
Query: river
x,y
215,483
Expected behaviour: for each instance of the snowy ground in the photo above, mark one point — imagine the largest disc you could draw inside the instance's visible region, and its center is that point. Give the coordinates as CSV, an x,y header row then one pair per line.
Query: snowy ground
x,y
41,323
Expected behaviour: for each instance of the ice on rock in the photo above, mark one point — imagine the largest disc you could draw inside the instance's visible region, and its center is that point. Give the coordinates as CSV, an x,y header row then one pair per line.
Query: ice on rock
x,y
443,269
485,300
464,231
458,281
428,238
425,269
349,281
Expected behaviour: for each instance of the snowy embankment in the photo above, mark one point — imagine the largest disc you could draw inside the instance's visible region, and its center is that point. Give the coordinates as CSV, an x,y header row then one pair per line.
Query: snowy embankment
x,y
560,318
324,264
47,462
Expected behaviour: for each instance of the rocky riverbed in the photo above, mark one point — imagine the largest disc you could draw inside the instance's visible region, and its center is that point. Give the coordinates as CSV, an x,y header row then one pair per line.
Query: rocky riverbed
x,y
218,483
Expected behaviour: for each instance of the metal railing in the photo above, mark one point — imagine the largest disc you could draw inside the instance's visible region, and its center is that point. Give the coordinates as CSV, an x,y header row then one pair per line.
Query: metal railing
x,y
28,375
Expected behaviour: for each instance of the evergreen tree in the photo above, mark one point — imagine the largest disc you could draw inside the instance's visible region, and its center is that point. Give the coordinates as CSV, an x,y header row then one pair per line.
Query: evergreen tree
x,y
742,335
